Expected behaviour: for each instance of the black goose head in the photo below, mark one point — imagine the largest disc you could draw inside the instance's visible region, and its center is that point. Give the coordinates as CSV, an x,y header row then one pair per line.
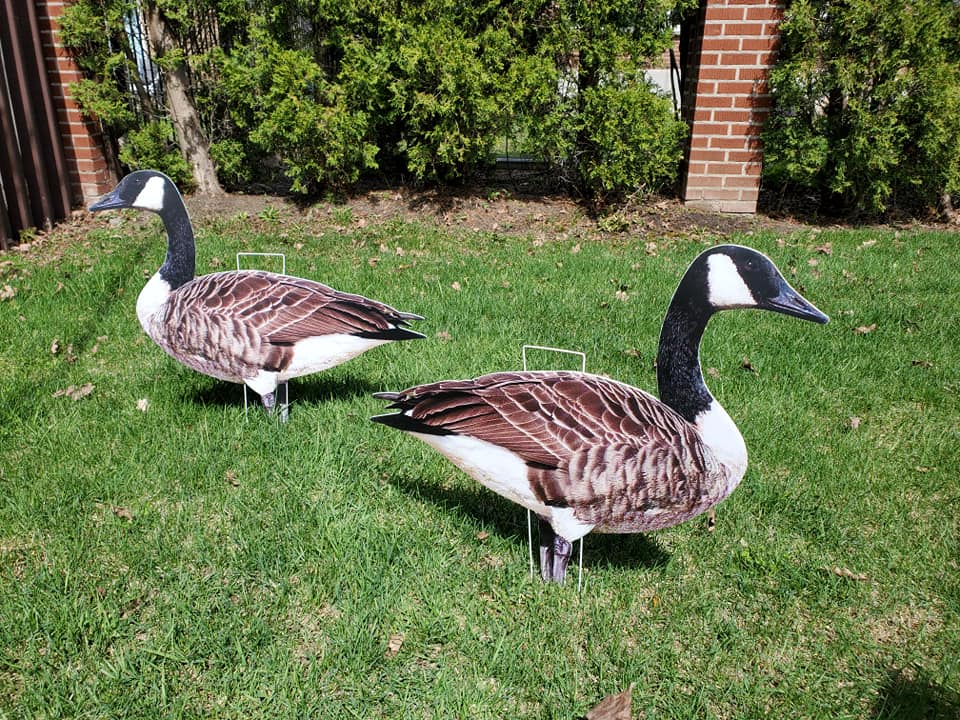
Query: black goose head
x,y
143,190
152,190
734,276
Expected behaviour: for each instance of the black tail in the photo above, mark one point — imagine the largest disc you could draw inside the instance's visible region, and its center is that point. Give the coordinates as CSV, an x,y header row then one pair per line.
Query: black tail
x,y
394,333
402,421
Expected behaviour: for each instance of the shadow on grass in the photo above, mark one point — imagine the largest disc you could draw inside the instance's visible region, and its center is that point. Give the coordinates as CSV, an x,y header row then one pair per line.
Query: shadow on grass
x,y
311,390
914,696
510,521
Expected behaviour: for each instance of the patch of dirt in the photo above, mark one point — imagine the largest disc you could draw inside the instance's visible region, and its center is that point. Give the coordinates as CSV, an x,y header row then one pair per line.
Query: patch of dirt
x,y
492,209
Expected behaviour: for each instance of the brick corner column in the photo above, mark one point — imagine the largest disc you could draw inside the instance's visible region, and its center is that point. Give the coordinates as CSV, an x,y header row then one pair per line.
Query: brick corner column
x,y
91,173
727,100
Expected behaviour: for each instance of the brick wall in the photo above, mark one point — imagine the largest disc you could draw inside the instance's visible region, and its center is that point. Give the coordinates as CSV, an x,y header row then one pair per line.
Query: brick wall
x,y
90,172
726,101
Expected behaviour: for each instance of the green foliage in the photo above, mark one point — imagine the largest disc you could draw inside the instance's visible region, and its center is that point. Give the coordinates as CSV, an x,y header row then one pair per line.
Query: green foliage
x,y
867,100
154,146
586,103
636,140
93,31
322,93
281,99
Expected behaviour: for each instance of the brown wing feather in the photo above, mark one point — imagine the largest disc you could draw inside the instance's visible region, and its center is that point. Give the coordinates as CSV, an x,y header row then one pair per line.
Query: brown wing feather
x,y
286,309
615,454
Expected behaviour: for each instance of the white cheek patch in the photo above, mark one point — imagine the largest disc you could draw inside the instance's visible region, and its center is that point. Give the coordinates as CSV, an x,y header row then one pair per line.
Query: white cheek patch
x,y
725,287
151,197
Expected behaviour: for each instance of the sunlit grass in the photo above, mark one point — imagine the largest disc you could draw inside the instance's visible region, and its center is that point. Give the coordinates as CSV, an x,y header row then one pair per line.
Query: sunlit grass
x,y
190,560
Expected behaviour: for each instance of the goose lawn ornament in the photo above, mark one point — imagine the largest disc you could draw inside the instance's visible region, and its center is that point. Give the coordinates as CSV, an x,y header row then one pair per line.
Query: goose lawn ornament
x,y
587,453
246,326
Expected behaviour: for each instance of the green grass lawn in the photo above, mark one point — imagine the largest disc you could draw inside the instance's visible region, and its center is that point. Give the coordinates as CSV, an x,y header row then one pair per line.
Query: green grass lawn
x,y
162,555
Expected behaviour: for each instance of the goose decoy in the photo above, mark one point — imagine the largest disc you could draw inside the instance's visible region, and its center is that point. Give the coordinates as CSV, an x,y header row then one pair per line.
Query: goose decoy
x,y
246,326
585,452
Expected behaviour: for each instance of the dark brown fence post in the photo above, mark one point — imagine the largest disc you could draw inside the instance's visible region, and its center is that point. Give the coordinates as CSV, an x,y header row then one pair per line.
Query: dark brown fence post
x,y
52,157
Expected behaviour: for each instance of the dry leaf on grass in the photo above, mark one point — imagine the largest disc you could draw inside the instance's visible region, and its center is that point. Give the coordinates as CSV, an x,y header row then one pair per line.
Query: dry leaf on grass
x,y
455,285
54,347
854,422
865,329
845,573
143,404
121,512
482,535
443,335
231,477
75,393
747,365
8,292
393,647
713,372
825,249
613,707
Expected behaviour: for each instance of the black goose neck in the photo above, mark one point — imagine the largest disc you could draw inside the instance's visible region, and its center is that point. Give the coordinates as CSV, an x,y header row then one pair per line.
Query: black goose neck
x,y
679,377
180,264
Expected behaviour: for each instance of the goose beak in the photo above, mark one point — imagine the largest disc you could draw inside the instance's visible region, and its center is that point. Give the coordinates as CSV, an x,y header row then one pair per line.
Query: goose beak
x,y
790,302
110,201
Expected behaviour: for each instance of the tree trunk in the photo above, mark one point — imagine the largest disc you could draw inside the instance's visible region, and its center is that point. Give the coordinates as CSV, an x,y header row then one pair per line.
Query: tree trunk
x,y
948,209
183,114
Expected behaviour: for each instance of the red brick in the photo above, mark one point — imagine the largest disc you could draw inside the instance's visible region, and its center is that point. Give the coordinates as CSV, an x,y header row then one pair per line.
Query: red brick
x,y
707,156
744,156
752,73
738,58
728,142
741,181
716,13
773,14
717,72
702,180
714,101
736,87
744,29
711,128
719,194
726,168
737,117
766,43
722,43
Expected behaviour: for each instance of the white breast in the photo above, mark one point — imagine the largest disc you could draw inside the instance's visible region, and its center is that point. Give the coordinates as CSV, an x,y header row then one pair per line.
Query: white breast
x,y
151,300
723,439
